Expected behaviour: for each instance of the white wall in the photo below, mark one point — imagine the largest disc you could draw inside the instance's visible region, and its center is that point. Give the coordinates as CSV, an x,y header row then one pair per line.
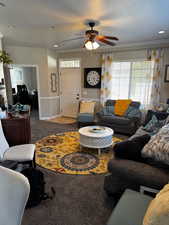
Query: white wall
x,y
93,59
32,56
46,60
2,91
39,57
29,78
52,68
88,59
1,66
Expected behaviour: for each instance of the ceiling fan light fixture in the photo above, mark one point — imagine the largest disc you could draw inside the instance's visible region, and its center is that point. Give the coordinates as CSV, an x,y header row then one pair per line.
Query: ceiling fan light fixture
x,y
161,32
91,45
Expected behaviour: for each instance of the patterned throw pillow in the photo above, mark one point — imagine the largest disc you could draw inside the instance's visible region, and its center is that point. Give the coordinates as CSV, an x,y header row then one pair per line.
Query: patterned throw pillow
x,y
167,110
132,112
167,120
154,125
108,110
158,210
158,146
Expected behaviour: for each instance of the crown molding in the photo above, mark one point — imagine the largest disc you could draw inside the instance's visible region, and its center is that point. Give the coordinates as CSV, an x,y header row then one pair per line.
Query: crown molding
x,y
163,43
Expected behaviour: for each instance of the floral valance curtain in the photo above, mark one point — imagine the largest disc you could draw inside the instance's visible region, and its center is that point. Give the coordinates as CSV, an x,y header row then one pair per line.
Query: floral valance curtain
x,y
156,56
107,60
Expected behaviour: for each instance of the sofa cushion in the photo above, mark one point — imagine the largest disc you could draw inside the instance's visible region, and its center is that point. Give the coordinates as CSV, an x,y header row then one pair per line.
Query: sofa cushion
x,y
135,104
131,149
108,110
116,120
140,131
132,112
158,210
154,125
20,153
121,106
110,102
159,115
158,147
85,117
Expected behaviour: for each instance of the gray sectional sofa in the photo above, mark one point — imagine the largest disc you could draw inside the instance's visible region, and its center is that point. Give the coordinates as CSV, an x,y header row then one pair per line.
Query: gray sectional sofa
x,y
130,174
126,124
127,173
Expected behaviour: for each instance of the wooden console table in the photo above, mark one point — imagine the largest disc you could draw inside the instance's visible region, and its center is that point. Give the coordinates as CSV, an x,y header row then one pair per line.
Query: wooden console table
x,y
17,130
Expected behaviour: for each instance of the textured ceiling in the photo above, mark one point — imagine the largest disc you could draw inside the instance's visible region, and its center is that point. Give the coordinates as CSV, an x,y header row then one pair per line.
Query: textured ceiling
x,y
43,23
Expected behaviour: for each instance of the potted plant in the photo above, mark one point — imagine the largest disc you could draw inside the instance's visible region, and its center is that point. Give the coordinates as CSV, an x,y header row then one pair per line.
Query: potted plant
x,y
5,58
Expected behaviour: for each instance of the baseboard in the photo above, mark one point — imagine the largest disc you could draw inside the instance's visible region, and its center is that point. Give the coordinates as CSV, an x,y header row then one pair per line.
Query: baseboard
x,y
49,117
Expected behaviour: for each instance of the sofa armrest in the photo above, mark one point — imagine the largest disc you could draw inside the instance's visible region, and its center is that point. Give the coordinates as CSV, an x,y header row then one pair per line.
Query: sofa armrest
x,y
124,215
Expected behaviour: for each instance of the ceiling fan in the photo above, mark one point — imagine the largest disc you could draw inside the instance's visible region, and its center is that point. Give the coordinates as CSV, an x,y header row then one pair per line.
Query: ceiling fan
x,y
93,36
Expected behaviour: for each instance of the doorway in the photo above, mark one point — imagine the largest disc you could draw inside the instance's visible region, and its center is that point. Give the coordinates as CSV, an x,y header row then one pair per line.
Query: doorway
x,y
70,88
24,84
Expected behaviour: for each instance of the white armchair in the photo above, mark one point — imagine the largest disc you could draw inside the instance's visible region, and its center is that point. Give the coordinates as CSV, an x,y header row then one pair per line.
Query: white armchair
x,y
14,193
19,153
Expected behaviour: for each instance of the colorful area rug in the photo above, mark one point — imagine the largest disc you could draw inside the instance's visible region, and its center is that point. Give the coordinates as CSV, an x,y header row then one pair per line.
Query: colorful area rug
x,y
62,120
62,153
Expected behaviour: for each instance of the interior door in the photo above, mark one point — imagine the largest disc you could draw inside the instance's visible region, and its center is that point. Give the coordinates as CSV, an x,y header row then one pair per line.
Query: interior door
x,y
70,91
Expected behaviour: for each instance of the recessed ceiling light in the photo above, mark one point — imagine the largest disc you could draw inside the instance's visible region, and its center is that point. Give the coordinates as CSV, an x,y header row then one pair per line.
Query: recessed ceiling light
x,y
56,46
161,32
2,4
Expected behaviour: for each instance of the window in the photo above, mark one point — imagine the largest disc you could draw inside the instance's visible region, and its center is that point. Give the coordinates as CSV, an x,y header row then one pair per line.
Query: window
x,y
132,80
70,63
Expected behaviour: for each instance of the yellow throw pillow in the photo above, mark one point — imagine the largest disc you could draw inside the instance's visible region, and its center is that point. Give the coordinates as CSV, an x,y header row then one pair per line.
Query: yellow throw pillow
x,y
87,107
121,106
158,210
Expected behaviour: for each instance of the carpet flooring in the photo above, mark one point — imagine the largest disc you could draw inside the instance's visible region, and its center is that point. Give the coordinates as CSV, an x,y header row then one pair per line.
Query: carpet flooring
x,y
79,200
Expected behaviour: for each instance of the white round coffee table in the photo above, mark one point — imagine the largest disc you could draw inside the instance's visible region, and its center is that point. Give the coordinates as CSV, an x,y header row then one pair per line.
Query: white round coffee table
x,y
96,137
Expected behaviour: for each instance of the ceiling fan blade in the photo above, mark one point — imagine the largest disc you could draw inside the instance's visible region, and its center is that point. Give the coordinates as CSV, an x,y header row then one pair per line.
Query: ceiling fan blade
x,y
111,38
71,39
107,37
107,42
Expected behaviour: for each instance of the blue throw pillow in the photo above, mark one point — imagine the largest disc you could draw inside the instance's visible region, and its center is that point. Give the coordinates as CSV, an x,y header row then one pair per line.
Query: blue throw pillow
x,y
108,110
132,112
154,125
167,110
